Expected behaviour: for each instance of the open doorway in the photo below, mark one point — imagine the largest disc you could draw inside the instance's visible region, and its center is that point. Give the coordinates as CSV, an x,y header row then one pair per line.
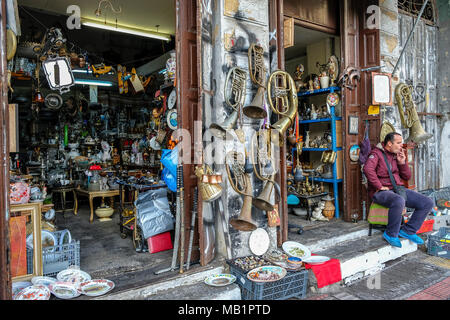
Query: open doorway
x,y
314,155
117,117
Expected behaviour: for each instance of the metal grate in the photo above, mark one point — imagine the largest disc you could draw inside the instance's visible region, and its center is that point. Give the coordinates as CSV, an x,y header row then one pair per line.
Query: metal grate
x,y
412,7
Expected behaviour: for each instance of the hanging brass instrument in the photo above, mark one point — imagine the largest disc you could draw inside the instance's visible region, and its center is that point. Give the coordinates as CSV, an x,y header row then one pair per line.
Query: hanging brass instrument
x,y
263,167
283,100
255,109
241,183
209,191
234,93
409,117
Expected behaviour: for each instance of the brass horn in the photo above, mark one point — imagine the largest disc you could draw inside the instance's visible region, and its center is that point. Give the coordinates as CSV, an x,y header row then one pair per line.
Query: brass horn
x,y
409,117
255,109
234,93
208,191
283,100
261,162
241,183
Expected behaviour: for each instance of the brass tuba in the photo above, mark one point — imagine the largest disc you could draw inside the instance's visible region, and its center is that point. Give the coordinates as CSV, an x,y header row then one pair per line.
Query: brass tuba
x,y
409,117
241,183
263,166
257,70
234,93
283,100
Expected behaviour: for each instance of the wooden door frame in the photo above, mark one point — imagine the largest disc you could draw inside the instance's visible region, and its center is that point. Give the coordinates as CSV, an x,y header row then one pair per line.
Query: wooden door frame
x,y
5,275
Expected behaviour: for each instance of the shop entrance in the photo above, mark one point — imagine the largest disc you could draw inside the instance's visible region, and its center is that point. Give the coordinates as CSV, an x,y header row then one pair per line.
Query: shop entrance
x,y
90,150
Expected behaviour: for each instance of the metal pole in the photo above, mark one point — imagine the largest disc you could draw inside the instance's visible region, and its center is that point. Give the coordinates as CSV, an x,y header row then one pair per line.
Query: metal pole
x,y
409,36
191,234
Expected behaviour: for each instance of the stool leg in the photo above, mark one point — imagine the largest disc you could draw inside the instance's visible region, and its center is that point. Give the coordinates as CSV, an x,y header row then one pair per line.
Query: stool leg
x,y
370,229
91,204
75,209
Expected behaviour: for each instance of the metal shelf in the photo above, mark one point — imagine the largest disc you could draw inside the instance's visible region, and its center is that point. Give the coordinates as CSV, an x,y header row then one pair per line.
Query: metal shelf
x,y
319,120
318,91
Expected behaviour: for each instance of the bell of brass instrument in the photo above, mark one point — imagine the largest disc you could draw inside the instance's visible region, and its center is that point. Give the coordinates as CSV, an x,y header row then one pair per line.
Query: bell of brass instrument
x,y
241,183
409,117
234,93
208,191
283,100
255,109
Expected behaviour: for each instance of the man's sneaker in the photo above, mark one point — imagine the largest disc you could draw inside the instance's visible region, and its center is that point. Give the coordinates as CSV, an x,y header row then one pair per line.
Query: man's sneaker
x,y
395,242
413,237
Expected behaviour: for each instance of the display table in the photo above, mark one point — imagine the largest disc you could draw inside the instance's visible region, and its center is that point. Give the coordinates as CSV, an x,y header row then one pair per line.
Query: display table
x,y
96,194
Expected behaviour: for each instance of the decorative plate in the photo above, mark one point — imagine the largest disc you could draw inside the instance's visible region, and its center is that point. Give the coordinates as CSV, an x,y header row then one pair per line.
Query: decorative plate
x,y
332,99
48,240
219,280
41,280
65,237
35,292
172,99
315,260
96,287
172,121
266,274
259,242
73,276
354,152
53,101
296,249
18,286
64,290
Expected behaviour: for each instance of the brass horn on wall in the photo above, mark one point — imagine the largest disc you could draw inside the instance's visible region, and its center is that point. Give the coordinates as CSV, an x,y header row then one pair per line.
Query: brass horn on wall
x,y
255,109
409,117
263,167
209,191
283,100
234,93
241,183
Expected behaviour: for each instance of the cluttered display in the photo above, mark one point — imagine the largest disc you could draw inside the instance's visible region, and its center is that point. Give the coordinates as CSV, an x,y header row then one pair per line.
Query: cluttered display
x,y
88,138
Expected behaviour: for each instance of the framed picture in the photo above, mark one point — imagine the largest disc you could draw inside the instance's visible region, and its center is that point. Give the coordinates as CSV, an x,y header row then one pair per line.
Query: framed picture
x,y
353,125
381,88
25,233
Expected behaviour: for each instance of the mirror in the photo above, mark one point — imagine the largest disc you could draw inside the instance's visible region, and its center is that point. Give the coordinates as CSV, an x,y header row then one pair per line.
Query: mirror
x,y
381,89
59,74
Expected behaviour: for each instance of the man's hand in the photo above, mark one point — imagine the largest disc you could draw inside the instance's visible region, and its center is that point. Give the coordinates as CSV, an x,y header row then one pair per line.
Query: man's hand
x,y
401,157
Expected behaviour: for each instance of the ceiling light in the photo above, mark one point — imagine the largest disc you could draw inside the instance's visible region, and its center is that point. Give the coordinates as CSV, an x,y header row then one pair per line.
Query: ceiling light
x,y
138,32
94,82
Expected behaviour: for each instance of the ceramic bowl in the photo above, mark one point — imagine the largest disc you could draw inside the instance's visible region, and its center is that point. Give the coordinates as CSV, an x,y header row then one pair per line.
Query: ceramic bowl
x,y
294,261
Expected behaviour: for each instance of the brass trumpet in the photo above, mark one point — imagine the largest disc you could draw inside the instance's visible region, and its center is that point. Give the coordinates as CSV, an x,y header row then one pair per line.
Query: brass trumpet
x,y
257,70
283,100
409,117
241,183
234,93
264,169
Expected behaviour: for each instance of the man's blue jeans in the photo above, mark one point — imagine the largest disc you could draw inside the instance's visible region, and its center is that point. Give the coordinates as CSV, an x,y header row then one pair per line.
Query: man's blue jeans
x,y
422,205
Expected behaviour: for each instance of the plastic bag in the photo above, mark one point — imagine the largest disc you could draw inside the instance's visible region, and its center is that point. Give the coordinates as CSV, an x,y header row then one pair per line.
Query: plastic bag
x,y
169,159
169,179
153,212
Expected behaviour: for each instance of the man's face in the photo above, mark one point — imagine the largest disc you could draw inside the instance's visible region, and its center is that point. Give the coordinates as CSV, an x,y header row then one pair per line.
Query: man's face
x,y
397,145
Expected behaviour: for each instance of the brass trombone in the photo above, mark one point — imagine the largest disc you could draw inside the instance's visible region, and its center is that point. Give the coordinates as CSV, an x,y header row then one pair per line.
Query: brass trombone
x,y
234,93
241,183
257,70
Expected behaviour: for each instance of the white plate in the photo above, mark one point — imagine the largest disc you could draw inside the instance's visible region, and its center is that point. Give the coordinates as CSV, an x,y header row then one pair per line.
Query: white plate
x,y
259,242
172,121
266,271
97,287
46,236
35,292
64,290
315,260
219,280
65,237
73,276
288,246
41,280
172,99
18,286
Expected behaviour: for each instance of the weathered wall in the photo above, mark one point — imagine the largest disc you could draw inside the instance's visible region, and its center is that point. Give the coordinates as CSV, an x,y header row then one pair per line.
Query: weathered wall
x,y
228,29
418,67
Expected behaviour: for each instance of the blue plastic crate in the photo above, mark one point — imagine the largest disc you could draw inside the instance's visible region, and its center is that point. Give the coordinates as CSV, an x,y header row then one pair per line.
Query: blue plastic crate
x,y
56,258
292,285
439,243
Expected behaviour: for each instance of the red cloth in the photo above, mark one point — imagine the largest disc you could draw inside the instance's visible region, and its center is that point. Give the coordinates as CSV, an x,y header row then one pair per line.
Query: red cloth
x,y
326,273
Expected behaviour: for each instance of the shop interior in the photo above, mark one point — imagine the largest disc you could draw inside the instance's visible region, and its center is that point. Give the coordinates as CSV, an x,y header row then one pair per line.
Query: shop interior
x,y
314,153
90,142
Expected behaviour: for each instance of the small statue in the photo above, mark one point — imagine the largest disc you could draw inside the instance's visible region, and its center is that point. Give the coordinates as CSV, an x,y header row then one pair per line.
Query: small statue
x,y
106,154
298,77
317,213
313,112
316,83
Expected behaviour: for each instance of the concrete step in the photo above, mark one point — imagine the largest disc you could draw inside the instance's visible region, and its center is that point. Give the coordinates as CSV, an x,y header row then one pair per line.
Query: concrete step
x,y
186,286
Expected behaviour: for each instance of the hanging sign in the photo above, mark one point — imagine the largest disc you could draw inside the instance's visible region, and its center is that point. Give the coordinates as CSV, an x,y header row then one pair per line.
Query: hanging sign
x,y
381,88
58,73
373,110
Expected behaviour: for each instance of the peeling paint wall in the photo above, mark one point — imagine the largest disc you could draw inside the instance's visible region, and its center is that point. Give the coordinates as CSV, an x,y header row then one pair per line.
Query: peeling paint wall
x,y
419,67
228,29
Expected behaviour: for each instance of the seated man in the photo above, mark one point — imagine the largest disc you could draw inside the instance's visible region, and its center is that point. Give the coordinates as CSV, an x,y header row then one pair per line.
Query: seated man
x,y
381,190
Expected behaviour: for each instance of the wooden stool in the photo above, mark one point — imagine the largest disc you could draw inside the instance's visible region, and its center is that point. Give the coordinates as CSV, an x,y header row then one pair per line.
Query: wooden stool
x,y
378,216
